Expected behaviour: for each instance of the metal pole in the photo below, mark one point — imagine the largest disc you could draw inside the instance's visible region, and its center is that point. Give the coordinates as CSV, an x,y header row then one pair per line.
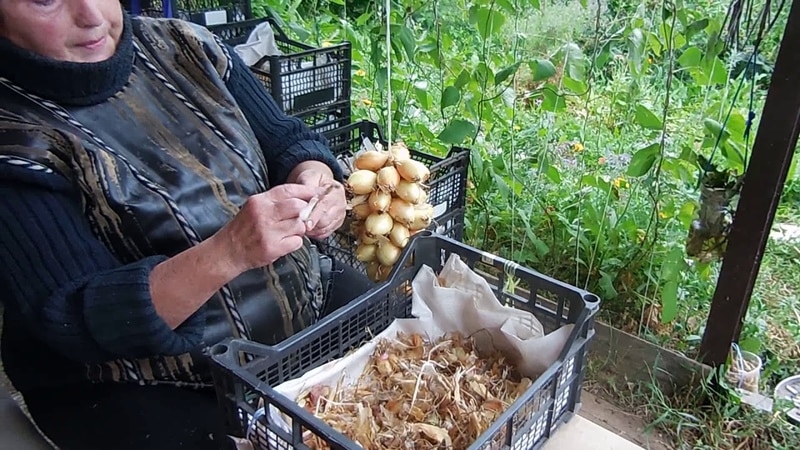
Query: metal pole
x,y
763,184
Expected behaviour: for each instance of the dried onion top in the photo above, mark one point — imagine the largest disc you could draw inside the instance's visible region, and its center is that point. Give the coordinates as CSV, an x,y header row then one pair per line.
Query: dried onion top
x,y
418,394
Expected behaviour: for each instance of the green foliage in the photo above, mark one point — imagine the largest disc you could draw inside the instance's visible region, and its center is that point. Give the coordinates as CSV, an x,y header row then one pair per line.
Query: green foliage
x,y
586,122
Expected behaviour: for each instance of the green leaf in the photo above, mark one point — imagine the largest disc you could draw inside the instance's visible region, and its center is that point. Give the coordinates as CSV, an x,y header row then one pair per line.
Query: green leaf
x,y
574,61
696,27
552,101
715,128
463,78
669,301
506,72
643,160
487,20
636,49
456,131
647,119
406,37
450,96
541,69
536,5
715,72
422,97
577,87
692,57
553,174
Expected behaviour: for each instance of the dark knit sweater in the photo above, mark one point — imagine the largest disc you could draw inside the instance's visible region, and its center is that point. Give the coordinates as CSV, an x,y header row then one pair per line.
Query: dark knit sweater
x,y
68,300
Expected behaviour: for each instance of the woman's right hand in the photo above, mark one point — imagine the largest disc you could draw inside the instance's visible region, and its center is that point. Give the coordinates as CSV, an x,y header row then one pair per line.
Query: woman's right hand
x,y
266,228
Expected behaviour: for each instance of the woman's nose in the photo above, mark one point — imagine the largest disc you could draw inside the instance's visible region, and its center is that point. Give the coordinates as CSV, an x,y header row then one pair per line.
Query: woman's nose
x,y
87,13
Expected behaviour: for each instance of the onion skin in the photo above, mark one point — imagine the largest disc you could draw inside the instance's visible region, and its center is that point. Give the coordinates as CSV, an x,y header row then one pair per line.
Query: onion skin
x,y
399,235
388,253
398,152
402,211
371,160
410,192
378,224
362,211
379,201
388,178
366,252
362,182
412,170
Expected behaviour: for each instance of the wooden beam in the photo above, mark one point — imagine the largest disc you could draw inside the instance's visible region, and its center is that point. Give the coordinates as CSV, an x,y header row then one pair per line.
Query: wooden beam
x,y
763,184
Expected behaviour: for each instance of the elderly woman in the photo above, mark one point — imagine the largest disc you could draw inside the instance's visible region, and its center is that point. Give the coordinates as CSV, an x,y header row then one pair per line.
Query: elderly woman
x,y
150,201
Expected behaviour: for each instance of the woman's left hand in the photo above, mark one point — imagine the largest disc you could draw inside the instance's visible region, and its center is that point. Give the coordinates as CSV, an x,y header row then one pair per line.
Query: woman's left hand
x,y
331,207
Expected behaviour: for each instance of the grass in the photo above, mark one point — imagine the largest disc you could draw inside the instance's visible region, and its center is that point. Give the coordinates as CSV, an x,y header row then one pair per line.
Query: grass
x,y
700,417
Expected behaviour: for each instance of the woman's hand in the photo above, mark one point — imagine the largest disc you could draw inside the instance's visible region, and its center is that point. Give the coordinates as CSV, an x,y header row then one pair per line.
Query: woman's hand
x,y
329,213
266,228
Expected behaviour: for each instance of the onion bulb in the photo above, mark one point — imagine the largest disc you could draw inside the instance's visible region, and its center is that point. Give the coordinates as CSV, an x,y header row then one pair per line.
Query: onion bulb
x,y
402,211
412,170
362,182
378,224
410,191
362,211
399,235
423,216
387,253
399,152
387,179
373,271
365,238
366,252
379,201
371,160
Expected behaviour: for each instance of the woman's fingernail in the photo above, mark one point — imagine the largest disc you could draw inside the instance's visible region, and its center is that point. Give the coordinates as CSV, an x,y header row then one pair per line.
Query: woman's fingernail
x,y
309,224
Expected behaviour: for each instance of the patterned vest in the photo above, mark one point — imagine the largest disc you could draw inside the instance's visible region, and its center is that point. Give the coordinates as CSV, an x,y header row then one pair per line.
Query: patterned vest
x,y
161,166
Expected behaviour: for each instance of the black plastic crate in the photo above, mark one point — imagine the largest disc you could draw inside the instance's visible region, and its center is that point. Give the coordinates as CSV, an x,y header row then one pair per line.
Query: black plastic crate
x,y
191,10
328,119
304,78
447,194
245,390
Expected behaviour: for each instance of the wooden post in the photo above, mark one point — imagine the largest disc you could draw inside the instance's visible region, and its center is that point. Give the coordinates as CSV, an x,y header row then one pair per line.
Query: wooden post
x,y
763,184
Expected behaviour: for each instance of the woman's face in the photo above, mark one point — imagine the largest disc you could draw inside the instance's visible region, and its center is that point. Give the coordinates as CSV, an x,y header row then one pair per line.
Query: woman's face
x,y
82,31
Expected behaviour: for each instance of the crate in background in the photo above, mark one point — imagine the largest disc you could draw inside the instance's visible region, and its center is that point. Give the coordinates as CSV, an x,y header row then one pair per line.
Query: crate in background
x,y
203,12
327,120
303,78
244,390
447,183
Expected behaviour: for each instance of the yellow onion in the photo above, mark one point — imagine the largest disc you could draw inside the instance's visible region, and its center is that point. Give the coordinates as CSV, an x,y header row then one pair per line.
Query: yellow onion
x,y
371,160
378,224
409,191
387,253
362,182
373,271
365,238
423,216
366,252
399,235
399,152
379,201
362,211
412,170
402,211
387,180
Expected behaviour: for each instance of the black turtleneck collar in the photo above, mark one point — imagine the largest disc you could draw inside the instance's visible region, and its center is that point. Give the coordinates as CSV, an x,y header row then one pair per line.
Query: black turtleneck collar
x,y
69,83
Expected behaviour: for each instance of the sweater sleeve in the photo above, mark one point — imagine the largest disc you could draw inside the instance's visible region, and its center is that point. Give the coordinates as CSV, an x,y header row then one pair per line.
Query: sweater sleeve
x,y
285,140
72,292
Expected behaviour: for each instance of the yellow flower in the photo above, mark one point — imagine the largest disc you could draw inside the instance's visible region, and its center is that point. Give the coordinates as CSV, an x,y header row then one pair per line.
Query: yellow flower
x,y
366,102
326,44
620,183
577,147
517,128
640,235
360,73
601,160
663,215
650,60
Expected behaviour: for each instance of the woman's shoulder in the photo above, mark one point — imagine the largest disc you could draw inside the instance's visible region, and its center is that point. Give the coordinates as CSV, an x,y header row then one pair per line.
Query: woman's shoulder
x,y
171,39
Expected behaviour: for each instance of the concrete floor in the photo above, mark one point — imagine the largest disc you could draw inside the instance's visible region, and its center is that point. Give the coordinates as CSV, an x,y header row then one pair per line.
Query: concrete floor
x,y
581,434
